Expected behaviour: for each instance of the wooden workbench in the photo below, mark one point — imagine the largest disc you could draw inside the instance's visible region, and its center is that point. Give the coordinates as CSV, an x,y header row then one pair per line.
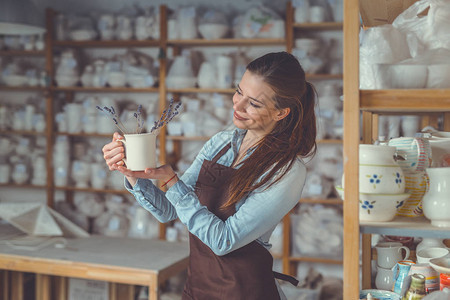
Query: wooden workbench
x,y
117,260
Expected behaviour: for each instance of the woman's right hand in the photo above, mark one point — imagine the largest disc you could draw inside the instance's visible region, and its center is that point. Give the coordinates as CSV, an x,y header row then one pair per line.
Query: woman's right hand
x,y
114,152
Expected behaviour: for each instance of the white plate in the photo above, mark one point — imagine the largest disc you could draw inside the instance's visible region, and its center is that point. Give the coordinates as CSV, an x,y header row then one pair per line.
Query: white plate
x,y
379,294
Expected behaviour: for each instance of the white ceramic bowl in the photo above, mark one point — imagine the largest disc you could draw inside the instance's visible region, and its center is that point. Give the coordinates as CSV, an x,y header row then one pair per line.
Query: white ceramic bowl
x,y
441,264
401,76
212,31
82,35
15,80
377,207
66,80
179,82
438,76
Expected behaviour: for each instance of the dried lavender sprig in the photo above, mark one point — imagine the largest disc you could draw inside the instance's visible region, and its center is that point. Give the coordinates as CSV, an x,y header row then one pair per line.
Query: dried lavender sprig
x,y
167,115
113,118
112,111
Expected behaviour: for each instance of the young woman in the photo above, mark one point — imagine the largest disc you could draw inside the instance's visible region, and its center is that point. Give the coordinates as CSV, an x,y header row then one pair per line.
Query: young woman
x,y
240,185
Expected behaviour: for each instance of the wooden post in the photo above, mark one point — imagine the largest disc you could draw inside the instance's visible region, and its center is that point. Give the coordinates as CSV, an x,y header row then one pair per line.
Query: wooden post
x,y
16,285
351,151
42,287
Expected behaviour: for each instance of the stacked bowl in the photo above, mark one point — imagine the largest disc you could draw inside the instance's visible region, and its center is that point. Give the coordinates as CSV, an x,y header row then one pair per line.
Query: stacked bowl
x,y
381,184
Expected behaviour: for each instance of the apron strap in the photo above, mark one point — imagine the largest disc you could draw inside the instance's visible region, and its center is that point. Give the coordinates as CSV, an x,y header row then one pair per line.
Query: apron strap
x,y
221,152
284,277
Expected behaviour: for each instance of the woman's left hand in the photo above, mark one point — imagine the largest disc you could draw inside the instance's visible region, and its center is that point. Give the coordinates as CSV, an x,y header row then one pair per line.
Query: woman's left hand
x,y
162,173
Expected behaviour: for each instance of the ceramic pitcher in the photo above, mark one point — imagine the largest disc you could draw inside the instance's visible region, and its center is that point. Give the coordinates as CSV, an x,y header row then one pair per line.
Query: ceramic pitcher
x,y
401,270
389,253
435,202
440,149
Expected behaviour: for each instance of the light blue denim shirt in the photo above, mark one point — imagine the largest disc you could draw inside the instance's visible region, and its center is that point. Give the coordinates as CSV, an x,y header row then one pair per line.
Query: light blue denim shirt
x,y
256,215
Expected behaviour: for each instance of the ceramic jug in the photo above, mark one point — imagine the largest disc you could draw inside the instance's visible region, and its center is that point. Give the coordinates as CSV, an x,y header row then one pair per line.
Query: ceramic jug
x,y
389,253
400,271
435,202
430,243
440,149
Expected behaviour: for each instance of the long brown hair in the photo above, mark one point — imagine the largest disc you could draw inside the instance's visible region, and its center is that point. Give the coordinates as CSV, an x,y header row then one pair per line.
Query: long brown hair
x,y
293,136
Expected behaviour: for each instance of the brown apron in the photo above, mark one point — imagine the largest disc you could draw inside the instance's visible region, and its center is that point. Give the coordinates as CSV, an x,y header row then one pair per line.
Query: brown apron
x,y
245,273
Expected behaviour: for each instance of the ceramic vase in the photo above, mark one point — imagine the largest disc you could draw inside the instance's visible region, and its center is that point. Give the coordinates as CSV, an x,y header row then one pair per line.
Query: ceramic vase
x,y
416,290
435,202
400,271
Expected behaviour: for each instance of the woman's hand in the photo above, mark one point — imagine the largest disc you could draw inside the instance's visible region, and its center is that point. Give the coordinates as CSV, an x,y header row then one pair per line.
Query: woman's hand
x,y
163,173
114,152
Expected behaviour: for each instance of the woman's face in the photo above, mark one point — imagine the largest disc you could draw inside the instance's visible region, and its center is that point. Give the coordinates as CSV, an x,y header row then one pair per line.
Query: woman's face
x,y
253,106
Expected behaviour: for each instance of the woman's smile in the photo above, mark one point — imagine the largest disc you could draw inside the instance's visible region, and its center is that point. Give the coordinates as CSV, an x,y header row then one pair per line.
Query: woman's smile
x,y
238,117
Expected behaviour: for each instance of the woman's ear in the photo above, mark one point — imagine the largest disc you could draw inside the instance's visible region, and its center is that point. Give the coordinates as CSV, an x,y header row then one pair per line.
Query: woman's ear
x,y
282,113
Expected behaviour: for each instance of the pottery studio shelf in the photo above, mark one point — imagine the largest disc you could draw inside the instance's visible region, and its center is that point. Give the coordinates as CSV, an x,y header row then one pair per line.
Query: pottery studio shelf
x,y
226,42
108,44
83,89
404,226
319,26
22,53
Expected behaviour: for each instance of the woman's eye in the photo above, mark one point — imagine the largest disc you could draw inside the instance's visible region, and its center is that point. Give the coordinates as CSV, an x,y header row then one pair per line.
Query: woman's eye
x,y
254,105
238,92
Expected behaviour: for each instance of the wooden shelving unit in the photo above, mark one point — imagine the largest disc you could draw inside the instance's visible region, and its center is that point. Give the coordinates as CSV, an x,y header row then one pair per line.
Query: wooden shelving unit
x,y
22,53
371,103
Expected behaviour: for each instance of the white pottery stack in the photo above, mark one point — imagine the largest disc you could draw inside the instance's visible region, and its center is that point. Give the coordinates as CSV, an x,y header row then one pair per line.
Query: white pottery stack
x,y
381,183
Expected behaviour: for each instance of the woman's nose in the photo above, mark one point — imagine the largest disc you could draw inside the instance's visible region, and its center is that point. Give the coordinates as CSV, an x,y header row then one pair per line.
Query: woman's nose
x,y
239,104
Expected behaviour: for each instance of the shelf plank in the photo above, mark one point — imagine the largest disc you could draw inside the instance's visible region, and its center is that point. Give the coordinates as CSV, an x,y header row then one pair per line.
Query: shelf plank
x,y
22,186
404,226
319,26
403,100
227,42
22,88
333,201
187,138
22,53
200,90
90,190
105,89
82,134
108,44
322,260
329,141
21,132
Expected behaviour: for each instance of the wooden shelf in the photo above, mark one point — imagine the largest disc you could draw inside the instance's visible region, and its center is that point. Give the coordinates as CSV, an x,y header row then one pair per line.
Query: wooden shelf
x,y
404,226
105,89
316,260
22,88
329,141
333,201
21,132
187,138
319,26
402,100
108,44
22,186
90,190
200,90
83,134
22,53
226,42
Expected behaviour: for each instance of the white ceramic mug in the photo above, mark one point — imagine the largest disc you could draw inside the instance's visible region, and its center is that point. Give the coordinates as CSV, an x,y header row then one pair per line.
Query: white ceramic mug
x,y
389,253
424,255
140,151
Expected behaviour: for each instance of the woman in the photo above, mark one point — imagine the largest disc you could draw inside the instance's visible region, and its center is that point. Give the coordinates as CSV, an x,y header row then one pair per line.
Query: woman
x,y
241,184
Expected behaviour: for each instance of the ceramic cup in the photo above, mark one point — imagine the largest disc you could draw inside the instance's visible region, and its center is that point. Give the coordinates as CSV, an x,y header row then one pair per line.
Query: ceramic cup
x,y
140,151
5,171
415,153
415,185
389,253
424,255
431,276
